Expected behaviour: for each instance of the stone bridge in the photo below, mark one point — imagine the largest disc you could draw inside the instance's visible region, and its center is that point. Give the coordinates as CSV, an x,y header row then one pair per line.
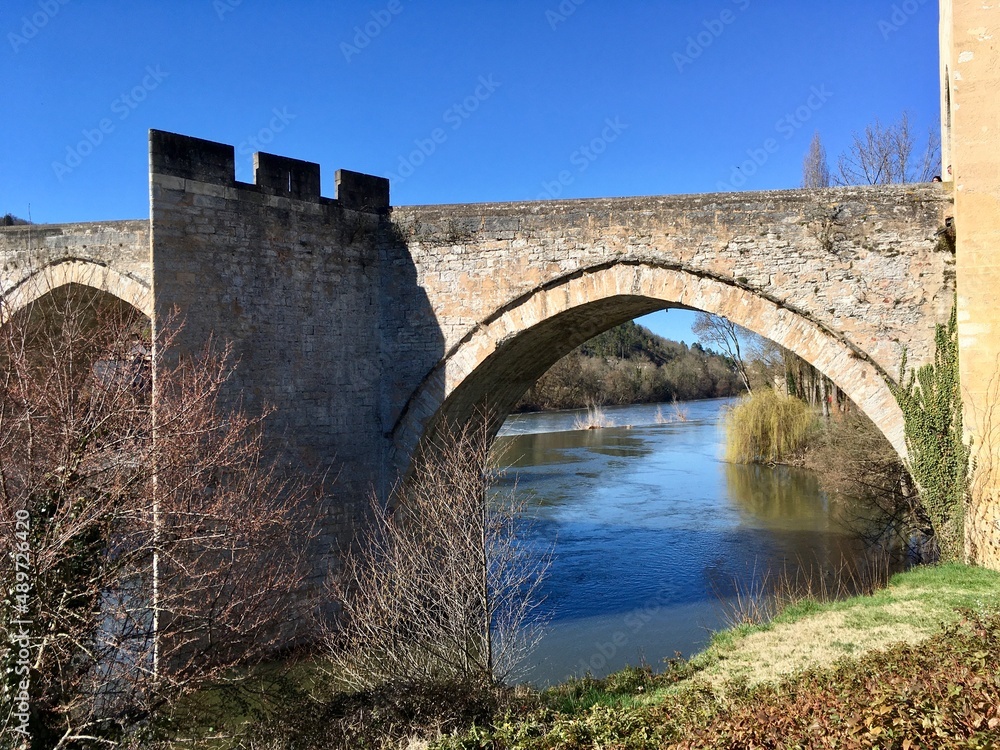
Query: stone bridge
x,y
845,278
366,324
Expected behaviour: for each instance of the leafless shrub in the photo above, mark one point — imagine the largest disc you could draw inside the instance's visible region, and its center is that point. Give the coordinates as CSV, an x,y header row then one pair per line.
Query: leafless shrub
x,y
162,548
884,154
852,457
594,419
442,589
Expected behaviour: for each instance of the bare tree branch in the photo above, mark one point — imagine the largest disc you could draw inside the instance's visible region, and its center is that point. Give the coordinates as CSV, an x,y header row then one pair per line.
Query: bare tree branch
x,y
442,587
83,464
882,155
714,330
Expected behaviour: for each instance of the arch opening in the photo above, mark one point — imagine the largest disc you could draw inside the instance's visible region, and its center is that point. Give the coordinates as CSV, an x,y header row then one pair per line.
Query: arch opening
x,y
76,328
72,271
491,368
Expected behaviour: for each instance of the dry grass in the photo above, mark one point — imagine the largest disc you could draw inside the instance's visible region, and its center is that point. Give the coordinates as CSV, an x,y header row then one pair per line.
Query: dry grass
x,y
766,656
678,413
594,419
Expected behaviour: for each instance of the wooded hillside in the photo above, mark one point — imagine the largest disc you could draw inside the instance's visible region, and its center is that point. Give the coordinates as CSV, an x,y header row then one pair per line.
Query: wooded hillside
x,y
630,364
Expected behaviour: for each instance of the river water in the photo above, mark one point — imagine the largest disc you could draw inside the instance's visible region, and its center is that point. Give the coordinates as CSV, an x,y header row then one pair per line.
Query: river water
x,y
651,532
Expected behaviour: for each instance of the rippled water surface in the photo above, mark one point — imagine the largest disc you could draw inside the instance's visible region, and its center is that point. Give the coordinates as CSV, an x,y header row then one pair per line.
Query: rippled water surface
x,y
650,529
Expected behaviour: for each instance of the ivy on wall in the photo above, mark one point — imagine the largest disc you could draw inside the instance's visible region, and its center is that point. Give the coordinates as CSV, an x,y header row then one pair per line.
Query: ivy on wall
x,y
938,456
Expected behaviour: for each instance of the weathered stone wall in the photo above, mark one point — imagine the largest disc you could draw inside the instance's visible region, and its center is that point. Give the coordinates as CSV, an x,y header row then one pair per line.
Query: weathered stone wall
x,y
847,274
291,280
973,60
109,255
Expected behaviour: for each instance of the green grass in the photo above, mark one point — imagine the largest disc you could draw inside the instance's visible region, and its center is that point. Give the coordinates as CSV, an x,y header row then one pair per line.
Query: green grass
x,y
917,660
807,634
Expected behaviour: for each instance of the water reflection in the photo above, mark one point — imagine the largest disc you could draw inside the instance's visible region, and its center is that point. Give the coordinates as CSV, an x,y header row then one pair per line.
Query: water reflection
x,y
649,528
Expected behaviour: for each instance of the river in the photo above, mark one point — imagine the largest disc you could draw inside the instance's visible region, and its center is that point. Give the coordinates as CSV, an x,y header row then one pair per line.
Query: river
x,y
651,532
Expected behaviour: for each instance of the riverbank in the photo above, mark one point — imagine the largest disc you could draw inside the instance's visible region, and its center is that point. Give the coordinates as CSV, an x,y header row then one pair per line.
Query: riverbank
x,y
652,535
914,665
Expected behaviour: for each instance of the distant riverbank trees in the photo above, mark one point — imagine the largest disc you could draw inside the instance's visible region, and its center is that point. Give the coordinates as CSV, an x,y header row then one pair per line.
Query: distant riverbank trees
x,y
629,364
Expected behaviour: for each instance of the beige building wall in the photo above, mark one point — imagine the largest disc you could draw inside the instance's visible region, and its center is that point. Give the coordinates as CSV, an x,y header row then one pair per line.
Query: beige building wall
x,y
971,93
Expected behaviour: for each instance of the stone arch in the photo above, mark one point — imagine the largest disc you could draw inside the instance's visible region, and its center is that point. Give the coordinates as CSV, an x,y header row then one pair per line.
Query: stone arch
x,y
495,362
76,271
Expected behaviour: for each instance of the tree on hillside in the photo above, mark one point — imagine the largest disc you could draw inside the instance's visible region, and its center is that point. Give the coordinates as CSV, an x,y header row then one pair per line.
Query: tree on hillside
x,y
885,154
629,364
154,547
815,169
631,341
721,333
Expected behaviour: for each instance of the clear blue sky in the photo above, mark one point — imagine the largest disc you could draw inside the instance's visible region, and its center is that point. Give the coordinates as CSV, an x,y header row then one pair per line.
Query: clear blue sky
x,y
456,101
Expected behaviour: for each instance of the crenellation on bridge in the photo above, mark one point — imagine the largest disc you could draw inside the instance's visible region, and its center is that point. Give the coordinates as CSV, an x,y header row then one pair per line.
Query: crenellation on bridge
x,y
290,280
184,162
280,175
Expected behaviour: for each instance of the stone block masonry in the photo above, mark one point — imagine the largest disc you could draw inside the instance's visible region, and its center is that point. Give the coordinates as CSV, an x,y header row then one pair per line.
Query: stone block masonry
x,y
847,278
110,255
970,134
291,280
